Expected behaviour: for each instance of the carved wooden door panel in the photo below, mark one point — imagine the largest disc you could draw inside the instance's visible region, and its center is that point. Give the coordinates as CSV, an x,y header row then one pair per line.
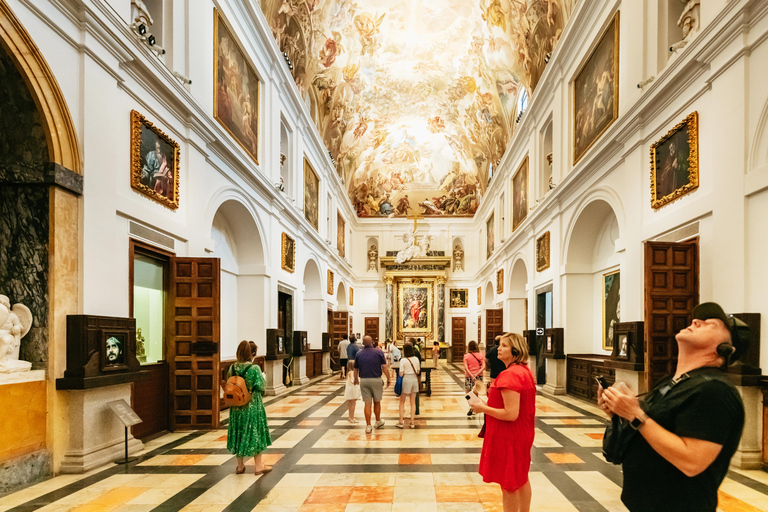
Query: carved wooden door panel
x,y
372,327
339,326
458,338
193,351
494,319
671,292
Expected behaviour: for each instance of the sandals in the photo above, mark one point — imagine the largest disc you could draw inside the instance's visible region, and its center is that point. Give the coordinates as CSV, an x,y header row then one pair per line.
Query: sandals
x,y
413,425
266,469
399,425
239,471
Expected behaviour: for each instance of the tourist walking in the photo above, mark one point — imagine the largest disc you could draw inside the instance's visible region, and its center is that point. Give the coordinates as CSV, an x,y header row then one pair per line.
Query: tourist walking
x,y
435,353
248,432
509,429
370,365
343,344
410,368
351,391
474,366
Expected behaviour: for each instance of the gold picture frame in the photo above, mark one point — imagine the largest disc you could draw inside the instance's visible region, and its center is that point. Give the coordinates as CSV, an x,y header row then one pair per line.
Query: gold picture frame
x,y
596,92
500,281
414,314
520,194
479,295
458,298
330,282
351,296
611,294
152,174
288,254
675,162
237,112
341,245
542,252
311,195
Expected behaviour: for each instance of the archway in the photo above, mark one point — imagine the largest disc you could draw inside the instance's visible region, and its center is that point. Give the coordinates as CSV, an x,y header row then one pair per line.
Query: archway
x,y
314,305
341,298
590,256
518,298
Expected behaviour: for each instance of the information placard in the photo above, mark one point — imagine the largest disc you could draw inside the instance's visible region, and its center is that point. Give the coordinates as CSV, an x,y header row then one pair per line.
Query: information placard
x,y
123,411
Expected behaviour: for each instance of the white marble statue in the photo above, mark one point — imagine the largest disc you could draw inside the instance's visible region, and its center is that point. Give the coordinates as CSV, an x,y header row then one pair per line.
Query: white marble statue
x,y
690,18
373,256
458,258
140,13
14,324
412,248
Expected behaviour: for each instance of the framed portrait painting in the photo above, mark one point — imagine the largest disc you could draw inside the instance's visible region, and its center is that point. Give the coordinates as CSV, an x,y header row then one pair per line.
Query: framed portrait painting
x,y
596,92
459,298
489,236
235,89
415,309
675,162
542,252
340,235
330,282
479,295
611,307
311,195
114,350
520,194
500,281
288,259
351,296
154,162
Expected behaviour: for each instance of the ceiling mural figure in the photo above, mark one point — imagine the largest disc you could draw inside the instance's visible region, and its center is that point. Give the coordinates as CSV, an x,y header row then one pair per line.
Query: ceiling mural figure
x,y
415,99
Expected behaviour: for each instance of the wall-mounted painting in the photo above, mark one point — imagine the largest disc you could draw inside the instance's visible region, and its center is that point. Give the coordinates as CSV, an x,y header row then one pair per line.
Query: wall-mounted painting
x,y
675,162
415,307
340,235
330,282
500,281
596,92
154,162
479,295
288,259
311,195
459,298
542,252
489,236
351,296
611,307
114,349
520,194
235,89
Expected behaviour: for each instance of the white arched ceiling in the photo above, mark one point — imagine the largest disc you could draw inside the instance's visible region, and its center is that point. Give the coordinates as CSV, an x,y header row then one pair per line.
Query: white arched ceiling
x,y
490,296
341,298
518,280
313,287
597,220
240,231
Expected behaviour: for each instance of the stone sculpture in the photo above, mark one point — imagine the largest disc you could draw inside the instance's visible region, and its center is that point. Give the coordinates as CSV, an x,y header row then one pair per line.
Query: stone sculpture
x,y
412,249
690,18
458,258
373,256
14,324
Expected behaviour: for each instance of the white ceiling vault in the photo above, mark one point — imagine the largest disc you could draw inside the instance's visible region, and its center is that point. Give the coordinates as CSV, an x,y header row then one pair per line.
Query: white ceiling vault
x,y
415,99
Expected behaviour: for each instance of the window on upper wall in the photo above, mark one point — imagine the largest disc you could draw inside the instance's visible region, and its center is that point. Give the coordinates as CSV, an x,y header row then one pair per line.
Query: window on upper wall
x,y
522,104
286,167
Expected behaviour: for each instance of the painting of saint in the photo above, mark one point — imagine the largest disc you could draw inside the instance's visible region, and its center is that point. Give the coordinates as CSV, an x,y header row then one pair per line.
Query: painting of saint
x,y
675,163
340,234
611,307
542,252
489,237
154,162
596,92
520,195
459,298
415,304
236,90
311,195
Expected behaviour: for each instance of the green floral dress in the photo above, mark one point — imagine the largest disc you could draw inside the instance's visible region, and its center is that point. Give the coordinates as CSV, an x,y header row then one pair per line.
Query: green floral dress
x,y
248,432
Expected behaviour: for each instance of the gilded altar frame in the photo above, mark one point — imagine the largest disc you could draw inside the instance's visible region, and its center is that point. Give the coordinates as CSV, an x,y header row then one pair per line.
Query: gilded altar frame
x,y
422,292
288,257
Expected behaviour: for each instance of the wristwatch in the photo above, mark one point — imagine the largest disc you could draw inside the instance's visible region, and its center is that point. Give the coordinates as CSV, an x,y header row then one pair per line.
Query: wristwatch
x,y
638,422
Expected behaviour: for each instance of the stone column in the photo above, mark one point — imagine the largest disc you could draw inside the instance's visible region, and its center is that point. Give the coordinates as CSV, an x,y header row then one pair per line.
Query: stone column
x,y
388,334
441,309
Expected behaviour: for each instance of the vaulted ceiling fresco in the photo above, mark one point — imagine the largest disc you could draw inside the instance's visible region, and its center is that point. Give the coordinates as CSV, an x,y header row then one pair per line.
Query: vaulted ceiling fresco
x,y
416,99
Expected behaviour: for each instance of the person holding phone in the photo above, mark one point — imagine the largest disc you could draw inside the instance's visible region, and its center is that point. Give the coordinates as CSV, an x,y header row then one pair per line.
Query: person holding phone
x,y
474,366
506,455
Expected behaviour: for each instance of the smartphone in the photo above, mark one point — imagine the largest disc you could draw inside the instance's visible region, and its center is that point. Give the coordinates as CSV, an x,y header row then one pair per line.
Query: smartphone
x,y
603,383
472,398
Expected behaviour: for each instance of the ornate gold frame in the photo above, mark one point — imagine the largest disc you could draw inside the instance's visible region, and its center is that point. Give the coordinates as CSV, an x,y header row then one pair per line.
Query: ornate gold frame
x,y
288,259
341,235
692,123
330,282
479,295
500,281
542,249
308,168
137,121
257,107
614,21
523,168
464,303
351,296
418,331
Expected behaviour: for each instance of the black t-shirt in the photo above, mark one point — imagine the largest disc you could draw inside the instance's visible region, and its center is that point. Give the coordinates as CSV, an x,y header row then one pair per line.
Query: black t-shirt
x,y
704,406
494,364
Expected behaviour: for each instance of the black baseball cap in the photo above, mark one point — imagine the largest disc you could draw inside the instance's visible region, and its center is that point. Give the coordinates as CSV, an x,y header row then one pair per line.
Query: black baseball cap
x,y
740,333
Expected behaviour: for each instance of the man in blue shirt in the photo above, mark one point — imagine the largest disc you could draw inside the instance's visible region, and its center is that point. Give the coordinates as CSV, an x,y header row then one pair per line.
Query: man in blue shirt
x,y
353,348
370,364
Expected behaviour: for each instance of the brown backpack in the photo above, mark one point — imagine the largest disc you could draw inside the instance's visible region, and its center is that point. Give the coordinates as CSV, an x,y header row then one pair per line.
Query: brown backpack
x,y
236,392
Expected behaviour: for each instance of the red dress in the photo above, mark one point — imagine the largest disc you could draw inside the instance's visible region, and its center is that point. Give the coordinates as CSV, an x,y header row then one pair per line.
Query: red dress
x,y
506,455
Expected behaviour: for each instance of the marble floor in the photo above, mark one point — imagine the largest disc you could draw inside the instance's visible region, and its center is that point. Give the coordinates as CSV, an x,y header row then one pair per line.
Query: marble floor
x,y
322,463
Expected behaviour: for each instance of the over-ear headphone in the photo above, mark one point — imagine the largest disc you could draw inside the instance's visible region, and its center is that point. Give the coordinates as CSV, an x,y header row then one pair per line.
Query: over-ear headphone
x,y
726,350
514,351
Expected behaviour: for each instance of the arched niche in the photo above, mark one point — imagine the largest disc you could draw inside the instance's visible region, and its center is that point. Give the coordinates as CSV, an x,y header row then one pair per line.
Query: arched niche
x,y
590,255
341,298
286,162
457,244
237,242
518,297
371,260
489,301
314,305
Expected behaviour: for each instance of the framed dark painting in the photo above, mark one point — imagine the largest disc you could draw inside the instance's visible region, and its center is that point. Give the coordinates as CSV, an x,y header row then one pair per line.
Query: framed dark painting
x,y
479,295
114,350
154,162
288,254
459,298
330,282
340,235
311,195
675,162
500,281
489,236
596,92
611,307
542,252
520,194
415,307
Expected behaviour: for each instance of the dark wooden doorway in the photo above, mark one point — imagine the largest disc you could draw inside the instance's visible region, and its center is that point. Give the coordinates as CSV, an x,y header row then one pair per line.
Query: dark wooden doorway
x,y
671,292
372,327
458,338
494,325
338,323
285,322
193,348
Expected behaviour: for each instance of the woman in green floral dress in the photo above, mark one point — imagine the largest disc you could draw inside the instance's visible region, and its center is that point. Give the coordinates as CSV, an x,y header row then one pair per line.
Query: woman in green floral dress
x,y
248,432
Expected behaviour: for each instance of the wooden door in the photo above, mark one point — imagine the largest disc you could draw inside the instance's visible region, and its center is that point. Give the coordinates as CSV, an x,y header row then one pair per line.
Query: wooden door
x,y
193,351
339,325
372,327
458,338
494,320
671,292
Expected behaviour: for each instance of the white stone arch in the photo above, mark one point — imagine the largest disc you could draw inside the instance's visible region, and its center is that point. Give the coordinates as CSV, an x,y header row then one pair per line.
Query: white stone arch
x,y
516,311
312,318
604,194
227,194
758,155
341,297
590,253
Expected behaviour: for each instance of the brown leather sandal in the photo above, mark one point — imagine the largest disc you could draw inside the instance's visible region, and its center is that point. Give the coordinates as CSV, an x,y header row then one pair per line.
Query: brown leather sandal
x,y
266,469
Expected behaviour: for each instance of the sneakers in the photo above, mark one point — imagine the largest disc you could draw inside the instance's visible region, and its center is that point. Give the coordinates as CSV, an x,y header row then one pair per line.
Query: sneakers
x,y
413,425
399,425
368,429
379,424
353,420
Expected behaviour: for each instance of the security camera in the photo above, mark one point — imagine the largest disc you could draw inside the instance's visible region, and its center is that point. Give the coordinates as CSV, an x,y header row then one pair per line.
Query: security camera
x,y
159,49
181,77
678,45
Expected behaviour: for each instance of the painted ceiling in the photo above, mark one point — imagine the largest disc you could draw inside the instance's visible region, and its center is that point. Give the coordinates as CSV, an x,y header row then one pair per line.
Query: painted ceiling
x,y
416,100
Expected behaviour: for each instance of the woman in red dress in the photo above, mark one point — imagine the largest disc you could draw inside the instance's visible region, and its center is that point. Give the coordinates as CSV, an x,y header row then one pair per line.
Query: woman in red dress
x,y
509,429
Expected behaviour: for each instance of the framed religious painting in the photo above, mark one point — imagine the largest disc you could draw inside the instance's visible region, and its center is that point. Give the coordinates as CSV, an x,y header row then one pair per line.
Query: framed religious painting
x,y
489,236
154,162
520,194
596,92
458,298
415,307
542,252
611,307
675,162
479,295
500,281
330,282
351,296
311,195
288,254
340,234
235,89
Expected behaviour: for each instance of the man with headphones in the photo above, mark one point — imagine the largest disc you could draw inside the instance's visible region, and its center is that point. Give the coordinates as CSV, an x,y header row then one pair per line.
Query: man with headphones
x,y
690,423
